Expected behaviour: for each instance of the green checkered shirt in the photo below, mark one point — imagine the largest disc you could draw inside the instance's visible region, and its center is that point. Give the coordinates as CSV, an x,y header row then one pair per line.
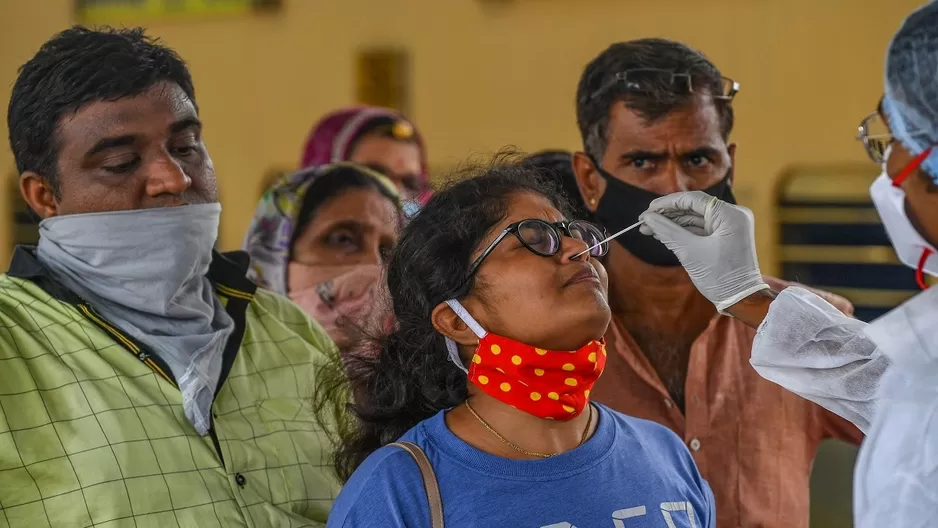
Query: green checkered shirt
x,y
92,429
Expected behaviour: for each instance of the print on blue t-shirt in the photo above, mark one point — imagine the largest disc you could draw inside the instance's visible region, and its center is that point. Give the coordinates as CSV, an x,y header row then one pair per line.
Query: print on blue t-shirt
x,y
631,474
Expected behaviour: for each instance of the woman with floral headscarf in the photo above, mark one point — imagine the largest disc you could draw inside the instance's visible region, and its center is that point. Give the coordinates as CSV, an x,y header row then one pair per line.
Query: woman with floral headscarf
x,y
320,236
379,138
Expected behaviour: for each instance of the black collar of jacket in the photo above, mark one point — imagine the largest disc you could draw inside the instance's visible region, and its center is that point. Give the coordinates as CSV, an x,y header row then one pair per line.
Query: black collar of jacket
x,y
227,269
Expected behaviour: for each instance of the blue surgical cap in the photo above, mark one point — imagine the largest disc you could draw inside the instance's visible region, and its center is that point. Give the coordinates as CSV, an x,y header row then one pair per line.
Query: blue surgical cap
x,y
911,100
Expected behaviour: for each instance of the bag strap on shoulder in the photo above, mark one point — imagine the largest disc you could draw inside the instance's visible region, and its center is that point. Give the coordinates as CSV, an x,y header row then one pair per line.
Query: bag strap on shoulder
x,y
429,481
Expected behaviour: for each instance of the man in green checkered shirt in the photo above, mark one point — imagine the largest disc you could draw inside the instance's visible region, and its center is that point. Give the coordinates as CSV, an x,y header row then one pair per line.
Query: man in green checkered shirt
x,y
144,380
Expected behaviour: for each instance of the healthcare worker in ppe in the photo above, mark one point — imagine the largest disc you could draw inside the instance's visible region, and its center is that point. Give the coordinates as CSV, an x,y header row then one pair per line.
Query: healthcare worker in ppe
x,y
882,376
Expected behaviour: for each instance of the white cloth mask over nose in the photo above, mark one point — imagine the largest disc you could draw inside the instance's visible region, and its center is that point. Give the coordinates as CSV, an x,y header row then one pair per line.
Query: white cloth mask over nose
x,y
906,240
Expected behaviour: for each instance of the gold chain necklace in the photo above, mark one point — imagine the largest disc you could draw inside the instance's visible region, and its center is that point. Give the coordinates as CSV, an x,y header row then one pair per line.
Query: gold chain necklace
x,y
589,422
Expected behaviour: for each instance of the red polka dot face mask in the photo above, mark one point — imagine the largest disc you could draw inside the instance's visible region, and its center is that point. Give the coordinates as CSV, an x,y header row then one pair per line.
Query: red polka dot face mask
x,y
548,384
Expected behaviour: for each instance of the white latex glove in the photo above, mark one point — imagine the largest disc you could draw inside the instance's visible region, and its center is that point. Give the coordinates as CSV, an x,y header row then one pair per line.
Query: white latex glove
x,y
714,240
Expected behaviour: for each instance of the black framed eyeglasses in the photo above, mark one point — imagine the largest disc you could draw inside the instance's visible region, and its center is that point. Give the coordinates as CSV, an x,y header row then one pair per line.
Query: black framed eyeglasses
x,y
645,80
544,238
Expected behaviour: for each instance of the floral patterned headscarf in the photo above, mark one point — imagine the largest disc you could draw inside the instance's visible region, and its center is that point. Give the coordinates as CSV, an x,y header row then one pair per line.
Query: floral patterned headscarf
x,y
273,227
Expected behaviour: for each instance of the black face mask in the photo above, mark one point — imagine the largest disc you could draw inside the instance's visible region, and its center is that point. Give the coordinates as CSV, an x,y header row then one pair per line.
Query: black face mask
x,y
621,205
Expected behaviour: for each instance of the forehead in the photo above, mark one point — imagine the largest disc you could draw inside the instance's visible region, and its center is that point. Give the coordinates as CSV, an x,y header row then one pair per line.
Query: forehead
x,y
363,205
525,205
151,112
399,156
694,124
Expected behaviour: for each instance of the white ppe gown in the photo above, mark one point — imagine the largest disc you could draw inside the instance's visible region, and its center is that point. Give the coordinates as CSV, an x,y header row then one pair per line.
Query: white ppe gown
x,y
881,376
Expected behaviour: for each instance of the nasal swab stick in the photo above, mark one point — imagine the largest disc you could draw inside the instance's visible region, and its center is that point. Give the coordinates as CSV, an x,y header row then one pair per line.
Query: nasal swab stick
x,y
624,231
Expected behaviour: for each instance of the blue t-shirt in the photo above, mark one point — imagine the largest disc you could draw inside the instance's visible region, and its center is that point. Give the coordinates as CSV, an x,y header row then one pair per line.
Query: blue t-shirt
x,y
631,474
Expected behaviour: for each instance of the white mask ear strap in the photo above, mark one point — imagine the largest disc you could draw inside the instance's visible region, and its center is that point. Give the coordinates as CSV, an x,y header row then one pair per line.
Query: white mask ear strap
x,y
452,350
466,318
451,347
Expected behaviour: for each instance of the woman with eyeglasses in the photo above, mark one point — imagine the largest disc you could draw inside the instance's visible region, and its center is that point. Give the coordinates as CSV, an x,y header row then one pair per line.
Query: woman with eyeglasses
x,y
498,342
882,376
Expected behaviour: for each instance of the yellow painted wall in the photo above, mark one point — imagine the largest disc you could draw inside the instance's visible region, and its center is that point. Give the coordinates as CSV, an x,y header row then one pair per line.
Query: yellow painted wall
x,y
497,72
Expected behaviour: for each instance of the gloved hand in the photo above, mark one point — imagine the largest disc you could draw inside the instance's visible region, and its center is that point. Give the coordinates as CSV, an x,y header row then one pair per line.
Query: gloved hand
x,y
714,240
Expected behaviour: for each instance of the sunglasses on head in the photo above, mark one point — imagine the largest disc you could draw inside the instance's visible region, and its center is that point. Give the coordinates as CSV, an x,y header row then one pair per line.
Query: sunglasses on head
x,y
544,238
647,80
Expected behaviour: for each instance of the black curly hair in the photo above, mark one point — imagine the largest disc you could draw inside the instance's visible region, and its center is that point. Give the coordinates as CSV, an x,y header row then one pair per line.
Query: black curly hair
x,y
77,67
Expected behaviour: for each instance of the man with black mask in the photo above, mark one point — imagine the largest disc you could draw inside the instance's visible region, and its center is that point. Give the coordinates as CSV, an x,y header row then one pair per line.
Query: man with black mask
x,y
655,117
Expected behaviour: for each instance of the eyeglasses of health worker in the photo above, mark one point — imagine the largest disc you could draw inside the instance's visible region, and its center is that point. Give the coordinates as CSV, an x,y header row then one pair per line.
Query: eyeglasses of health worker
x,y
899,198
874,133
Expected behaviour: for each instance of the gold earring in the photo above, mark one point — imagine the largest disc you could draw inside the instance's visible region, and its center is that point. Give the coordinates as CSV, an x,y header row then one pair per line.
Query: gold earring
x,y
592,201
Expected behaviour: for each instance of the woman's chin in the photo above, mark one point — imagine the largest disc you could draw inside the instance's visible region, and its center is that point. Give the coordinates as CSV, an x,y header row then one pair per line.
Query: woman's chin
x,y
595,308
580,329
598,320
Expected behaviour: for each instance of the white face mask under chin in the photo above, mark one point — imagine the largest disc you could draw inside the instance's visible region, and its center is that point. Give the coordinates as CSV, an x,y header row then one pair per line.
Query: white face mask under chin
x,y
910,247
